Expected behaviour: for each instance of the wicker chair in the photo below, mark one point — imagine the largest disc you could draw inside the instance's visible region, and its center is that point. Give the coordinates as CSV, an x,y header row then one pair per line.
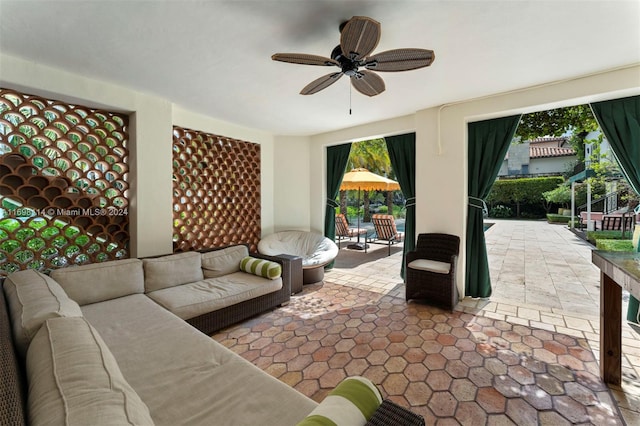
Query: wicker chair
x,y
343,232
431,270
385,226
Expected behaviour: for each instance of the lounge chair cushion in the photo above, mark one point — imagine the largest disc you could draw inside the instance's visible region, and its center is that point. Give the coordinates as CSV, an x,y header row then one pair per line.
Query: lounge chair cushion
x,y
33,297
172,270
98,282
430,266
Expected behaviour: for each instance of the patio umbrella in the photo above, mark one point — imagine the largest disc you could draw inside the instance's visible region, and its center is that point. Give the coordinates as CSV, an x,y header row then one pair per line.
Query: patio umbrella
x,y
363,179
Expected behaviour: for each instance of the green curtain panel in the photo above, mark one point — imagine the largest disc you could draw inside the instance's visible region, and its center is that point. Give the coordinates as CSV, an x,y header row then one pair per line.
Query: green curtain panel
x,y
488,144
337,157
402,153
619,120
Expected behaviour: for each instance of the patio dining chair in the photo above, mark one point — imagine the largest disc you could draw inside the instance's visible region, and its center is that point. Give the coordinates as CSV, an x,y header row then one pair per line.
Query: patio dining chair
x,y
431,270
344,232
385,227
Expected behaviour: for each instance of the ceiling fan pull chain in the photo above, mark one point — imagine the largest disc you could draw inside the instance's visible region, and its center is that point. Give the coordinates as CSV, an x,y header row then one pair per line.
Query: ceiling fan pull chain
x,y
349,99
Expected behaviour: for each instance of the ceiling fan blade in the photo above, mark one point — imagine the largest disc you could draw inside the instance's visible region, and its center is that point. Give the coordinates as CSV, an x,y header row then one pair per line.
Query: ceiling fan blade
x,y
359,37
368,83
400,60
304,59
321,83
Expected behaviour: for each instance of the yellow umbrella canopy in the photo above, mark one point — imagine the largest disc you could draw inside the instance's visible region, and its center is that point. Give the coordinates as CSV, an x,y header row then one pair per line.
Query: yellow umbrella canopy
x,y
363,179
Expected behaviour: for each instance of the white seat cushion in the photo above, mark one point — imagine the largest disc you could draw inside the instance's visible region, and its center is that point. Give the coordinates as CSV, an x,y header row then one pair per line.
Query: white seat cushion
x,y
430,266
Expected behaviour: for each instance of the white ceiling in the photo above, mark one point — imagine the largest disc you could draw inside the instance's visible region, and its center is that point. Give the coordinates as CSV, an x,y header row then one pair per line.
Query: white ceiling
x,y
214,57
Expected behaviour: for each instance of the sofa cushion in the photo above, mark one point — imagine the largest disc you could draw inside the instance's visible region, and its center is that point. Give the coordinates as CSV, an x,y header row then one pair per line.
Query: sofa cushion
x,y
172,270
261,268
74,379
224,261
97,282
186,377
33,297
194,299
351,403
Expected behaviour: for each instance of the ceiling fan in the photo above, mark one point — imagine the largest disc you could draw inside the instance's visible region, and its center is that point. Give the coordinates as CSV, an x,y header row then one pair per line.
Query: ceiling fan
x,y
358,37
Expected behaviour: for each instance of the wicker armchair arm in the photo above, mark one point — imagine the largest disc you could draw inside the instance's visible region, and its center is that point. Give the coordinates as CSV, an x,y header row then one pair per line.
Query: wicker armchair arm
x,y
391,414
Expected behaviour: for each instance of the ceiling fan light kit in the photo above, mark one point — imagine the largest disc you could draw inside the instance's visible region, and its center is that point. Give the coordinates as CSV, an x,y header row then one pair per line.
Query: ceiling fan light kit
x,y
359,36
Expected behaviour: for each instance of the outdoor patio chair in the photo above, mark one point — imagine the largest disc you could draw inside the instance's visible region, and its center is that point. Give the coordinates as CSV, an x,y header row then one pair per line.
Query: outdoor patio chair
x,y
385,227
431,270
344,232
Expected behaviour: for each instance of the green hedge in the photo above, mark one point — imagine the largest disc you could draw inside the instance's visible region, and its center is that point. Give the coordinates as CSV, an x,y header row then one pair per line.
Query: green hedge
x,y
522,191
559,218
594,236
614,245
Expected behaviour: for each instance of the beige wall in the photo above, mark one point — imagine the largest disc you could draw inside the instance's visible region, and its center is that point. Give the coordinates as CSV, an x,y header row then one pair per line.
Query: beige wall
x,y
291,201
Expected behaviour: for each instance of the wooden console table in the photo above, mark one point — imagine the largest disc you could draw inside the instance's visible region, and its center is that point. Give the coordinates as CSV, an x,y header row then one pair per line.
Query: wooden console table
x,y
618,270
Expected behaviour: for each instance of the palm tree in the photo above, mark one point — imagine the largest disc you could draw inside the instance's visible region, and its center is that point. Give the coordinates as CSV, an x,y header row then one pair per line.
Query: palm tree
x,y
372,155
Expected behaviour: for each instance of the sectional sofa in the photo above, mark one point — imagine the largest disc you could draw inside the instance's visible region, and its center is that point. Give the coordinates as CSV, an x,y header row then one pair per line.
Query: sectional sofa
x,y
111,343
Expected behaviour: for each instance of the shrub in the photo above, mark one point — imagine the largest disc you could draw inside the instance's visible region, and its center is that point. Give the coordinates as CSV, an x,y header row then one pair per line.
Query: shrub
x,y
594,236
559,218
501,211
614,245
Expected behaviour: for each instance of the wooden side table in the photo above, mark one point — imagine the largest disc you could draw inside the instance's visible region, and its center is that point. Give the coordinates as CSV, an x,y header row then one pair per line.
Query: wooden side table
x,y
618,270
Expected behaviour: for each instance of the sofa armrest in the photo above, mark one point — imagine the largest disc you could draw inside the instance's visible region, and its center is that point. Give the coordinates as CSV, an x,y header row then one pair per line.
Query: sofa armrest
x,y
286,264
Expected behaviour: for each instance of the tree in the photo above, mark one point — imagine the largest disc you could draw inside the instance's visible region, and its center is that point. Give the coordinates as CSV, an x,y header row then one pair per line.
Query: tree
x,y
578,121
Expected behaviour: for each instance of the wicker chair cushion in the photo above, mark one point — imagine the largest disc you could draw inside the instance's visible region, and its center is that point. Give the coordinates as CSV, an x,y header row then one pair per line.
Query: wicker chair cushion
x,y
98,282
351,403
33,298
74,379
170,271
224,261
430,266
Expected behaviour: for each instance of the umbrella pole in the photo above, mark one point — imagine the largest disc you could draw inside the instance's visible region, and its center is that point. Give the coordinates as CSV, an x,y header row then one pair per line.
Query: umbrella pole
x,y
358,245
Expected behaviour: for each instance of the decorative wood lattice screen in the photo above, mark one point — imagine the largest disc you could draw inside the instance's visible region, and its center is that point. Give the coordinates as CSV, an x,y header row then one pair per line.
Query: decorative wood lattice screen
x,y
216,191
63,184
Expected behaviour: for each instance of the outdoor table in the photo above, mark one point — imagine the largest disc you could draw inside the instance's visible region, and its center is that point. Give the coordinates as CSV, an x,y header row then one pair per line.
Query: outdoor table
x,y
618,270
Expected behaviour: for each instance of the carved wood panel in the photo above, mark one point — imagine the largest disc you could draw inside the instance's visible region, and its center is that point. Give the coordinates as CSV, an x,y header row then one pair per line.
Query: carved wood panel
x,y
216,191
63,184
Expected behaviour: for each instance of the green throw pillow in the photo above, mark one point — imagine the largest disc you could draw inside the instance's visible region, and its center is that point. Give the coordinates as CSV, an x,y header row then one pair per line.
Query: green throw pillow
x,y
260,267
351,403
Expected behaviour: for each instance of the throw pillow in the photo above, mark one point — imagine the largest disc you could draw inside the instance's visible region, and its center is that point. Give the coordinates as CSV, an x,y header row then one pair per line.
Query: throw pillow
x,y
351,403
260,267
